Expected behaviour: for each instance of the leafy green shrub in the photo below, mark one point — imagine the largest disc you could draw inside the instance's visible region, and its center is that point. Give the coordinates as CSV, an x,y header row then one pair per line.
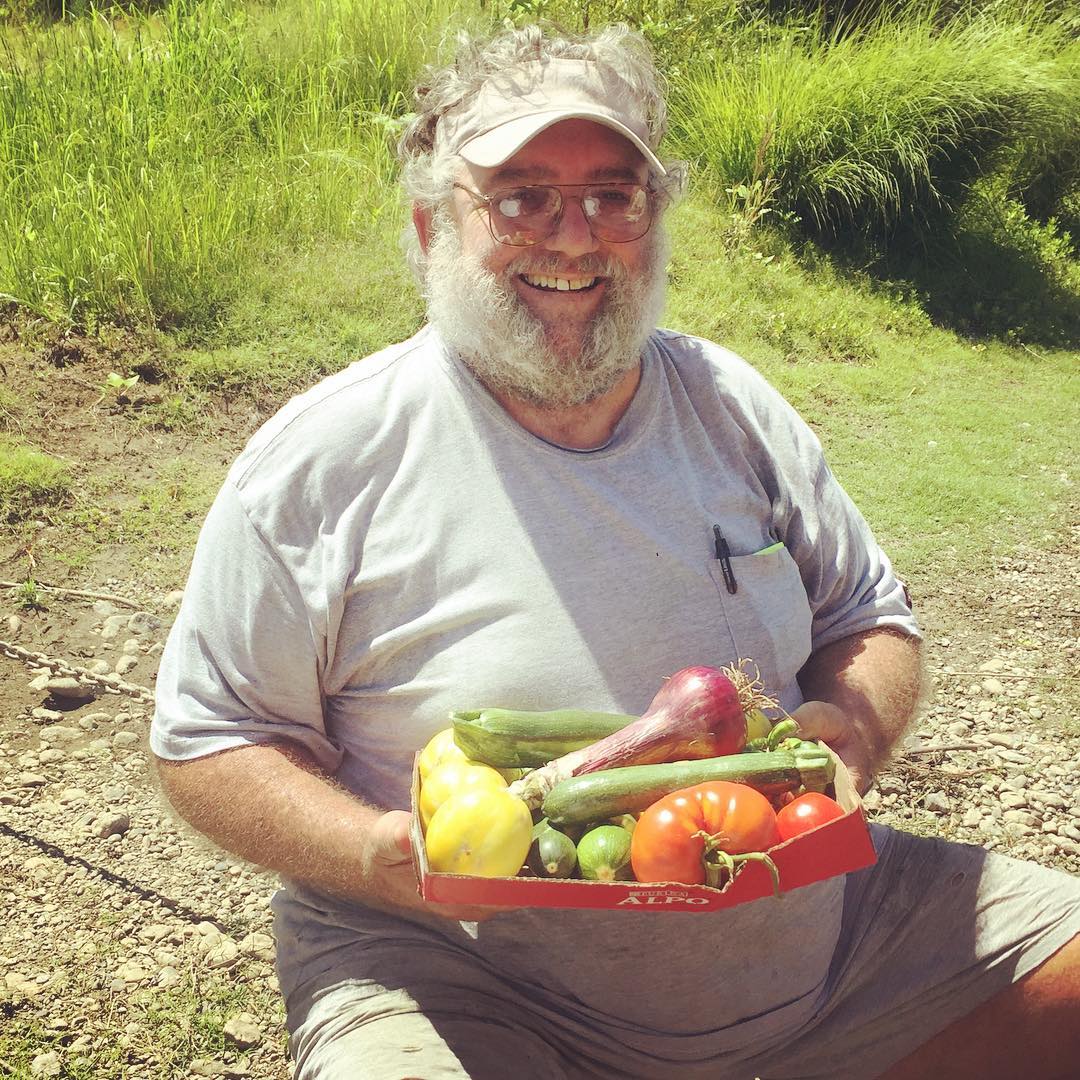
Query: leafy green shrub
x,y
996,272
28,596
1043,172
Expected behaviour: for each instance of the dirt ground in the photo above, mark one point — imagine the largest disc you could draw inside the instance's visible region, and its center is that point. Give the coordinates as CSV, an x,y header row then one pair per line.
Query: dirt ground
x,y
129,948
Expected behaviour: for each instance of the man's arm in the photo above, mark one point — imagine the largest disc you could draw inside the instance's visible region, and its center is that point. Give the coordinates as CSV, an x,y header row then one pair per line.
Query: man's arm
x,y
271,805
861,694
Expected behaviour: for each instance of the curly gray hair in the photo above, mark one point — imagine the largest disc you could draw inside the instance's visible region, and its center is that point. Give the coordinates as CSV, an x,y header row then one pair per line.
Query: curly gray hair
x,y
428,175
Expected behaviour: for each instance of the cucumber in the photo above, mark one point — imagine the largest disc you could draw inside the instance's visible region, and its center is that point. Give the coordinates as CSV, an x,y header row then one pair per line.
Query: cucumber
x,y
633,788
603,854
516,739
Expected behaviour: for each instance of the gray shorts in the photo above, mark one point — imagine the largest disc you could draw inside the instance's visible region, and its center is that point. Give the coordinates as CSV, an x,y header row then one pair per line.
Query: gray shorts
x,y
927,934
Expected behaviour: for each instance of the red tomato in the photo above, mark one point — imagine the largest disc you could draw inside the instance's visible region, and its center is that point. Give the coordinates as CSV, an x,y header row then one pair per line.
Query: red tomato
x,y
806,812
674,835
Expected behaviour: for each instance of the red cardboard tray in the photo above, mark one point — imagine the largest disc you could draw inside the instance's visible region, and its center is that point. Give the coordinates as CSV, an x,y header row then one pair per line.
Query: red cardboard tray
x,y
837,847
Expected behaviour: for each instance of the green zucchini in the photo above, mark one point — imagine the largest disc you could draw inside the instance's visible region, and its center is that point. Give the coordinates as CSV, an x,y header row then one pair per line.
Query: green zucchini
x,y
553,853
516,739
633,788
603,854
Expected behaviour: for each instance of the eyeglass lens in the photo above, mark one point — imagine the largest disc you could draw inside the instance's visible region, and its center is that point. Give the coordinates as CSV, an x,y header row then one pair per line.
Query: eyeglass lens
x,y
521,216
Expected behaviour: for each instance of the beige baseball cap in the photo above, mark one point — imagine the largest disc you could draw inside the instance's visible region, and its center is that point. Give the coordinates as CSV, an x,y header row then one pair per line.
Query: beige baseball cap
x,y
514,107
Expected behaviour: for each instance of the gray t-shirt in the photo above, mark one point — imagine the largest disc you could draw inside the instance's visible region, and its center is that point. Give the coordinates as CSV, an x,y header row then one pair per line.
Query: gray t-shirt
x,y
392,546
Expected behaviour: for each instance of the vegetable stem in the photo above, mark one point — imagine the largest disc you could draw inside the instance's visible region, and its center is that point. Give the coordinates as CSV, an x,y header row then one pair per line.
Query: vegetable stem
x,y
721,866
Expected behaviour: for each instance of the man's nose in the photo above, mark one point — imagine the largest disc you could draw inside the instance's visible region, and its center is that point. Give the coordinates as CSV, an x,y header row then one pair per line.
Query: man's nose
x,y
572,234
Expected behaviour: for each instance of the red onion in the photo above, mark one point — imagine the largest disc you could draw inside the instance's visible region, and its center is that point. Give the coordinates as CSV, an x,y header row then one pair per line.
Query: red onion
x,y
697,713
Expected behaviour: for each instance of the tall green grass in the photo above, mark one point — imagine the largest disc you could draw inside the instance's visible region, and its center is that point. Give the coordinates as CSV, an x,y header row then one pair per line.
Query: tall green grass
x,y
146,163
858,134
192,167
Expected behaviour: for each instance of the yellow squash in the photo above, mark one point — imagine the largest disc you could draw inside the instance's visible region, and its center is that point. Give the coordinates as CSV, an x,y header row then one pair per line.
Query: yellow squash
x,y
453,778
486,832
440,747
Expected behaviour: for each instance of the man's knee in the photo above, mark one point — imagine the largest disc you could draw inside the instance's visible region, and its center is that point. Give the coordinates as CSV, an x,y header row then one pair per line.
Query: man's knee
x,y
1027,1028
356,1031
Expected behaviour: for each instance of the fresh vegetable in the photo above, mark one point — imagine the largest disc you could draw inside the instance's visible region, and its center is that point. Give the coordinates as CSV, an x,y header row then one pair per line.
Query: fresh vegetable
x,y
553,853
805,813
758,725
485,832
700,712
603,854
782,735
602,795
440,747
509,738
696,835
453,778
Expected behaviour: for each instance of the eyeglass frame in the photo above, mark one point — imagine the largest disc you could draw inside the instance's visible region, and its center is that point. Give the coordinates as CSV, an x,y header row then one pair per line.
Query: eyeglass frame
x,y
651,192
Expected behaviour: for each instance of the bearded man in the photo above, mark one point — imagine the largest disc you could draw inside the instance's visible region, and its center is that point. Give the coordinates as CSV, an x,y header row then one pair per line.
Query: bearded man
x,y
518,507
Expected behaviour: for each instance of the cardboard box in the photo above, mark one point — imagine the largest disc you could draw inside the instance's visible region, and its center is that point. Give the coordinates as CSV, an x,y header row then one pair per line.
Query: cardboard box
x,y
837,847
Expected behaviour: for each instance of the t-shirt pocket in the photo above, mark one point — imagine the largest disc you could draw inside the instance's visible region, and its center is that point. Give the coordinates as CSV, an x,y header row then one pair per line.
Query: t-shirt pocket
x,y
767,617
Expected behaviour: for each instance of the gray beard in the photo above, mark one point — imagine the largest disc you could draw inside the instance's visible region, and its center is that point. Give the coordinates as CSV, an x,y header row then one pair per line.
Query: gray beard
x,y
481,318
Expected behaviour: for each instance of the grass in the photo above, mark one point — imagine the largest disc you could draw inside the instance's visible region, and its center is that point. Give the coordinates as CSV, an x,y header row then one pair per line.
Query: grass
x,y
165,516
224,171
30,481
143,523
193,144
862,133
202,143
956,451
153,520
306,313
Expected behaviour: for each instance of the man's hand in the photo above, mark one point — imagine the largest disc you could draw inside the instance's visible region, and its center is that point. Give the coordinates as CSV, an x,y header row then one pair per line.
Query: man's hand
x,y
820,720
272,806
390,870
861,693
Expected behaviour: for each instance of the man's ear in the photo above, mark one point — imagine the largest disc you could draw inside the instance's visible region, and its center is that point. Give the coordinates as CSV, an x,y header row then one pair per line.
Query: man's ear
x,y
421,218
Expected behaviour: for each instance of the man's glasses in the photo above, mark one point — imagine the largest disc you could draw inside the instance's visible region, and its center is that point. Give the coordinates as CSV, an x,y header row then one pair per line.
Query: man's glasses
x,y
527,215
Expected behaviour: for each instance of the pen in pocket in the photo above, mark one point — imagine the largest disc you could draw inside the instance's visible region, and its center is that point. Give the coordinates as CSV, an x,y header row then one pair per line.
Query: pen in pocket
x,y
723,553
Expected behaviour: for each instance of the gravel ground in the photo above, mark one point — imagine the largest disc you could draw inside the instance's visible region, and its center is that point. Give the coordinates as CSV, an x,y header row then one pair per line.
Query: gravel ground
x,y
131,949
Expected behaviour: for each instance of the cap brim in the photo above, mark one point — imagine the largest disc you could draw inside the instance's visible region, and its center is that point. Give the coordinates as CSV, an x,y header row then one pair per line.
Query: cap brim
x,y
503,141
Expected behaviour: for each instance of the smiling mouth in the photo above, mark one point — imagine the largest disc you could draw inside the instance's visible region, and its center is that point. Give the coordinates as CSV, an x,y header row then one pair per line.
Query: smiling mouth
x,y
549,283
